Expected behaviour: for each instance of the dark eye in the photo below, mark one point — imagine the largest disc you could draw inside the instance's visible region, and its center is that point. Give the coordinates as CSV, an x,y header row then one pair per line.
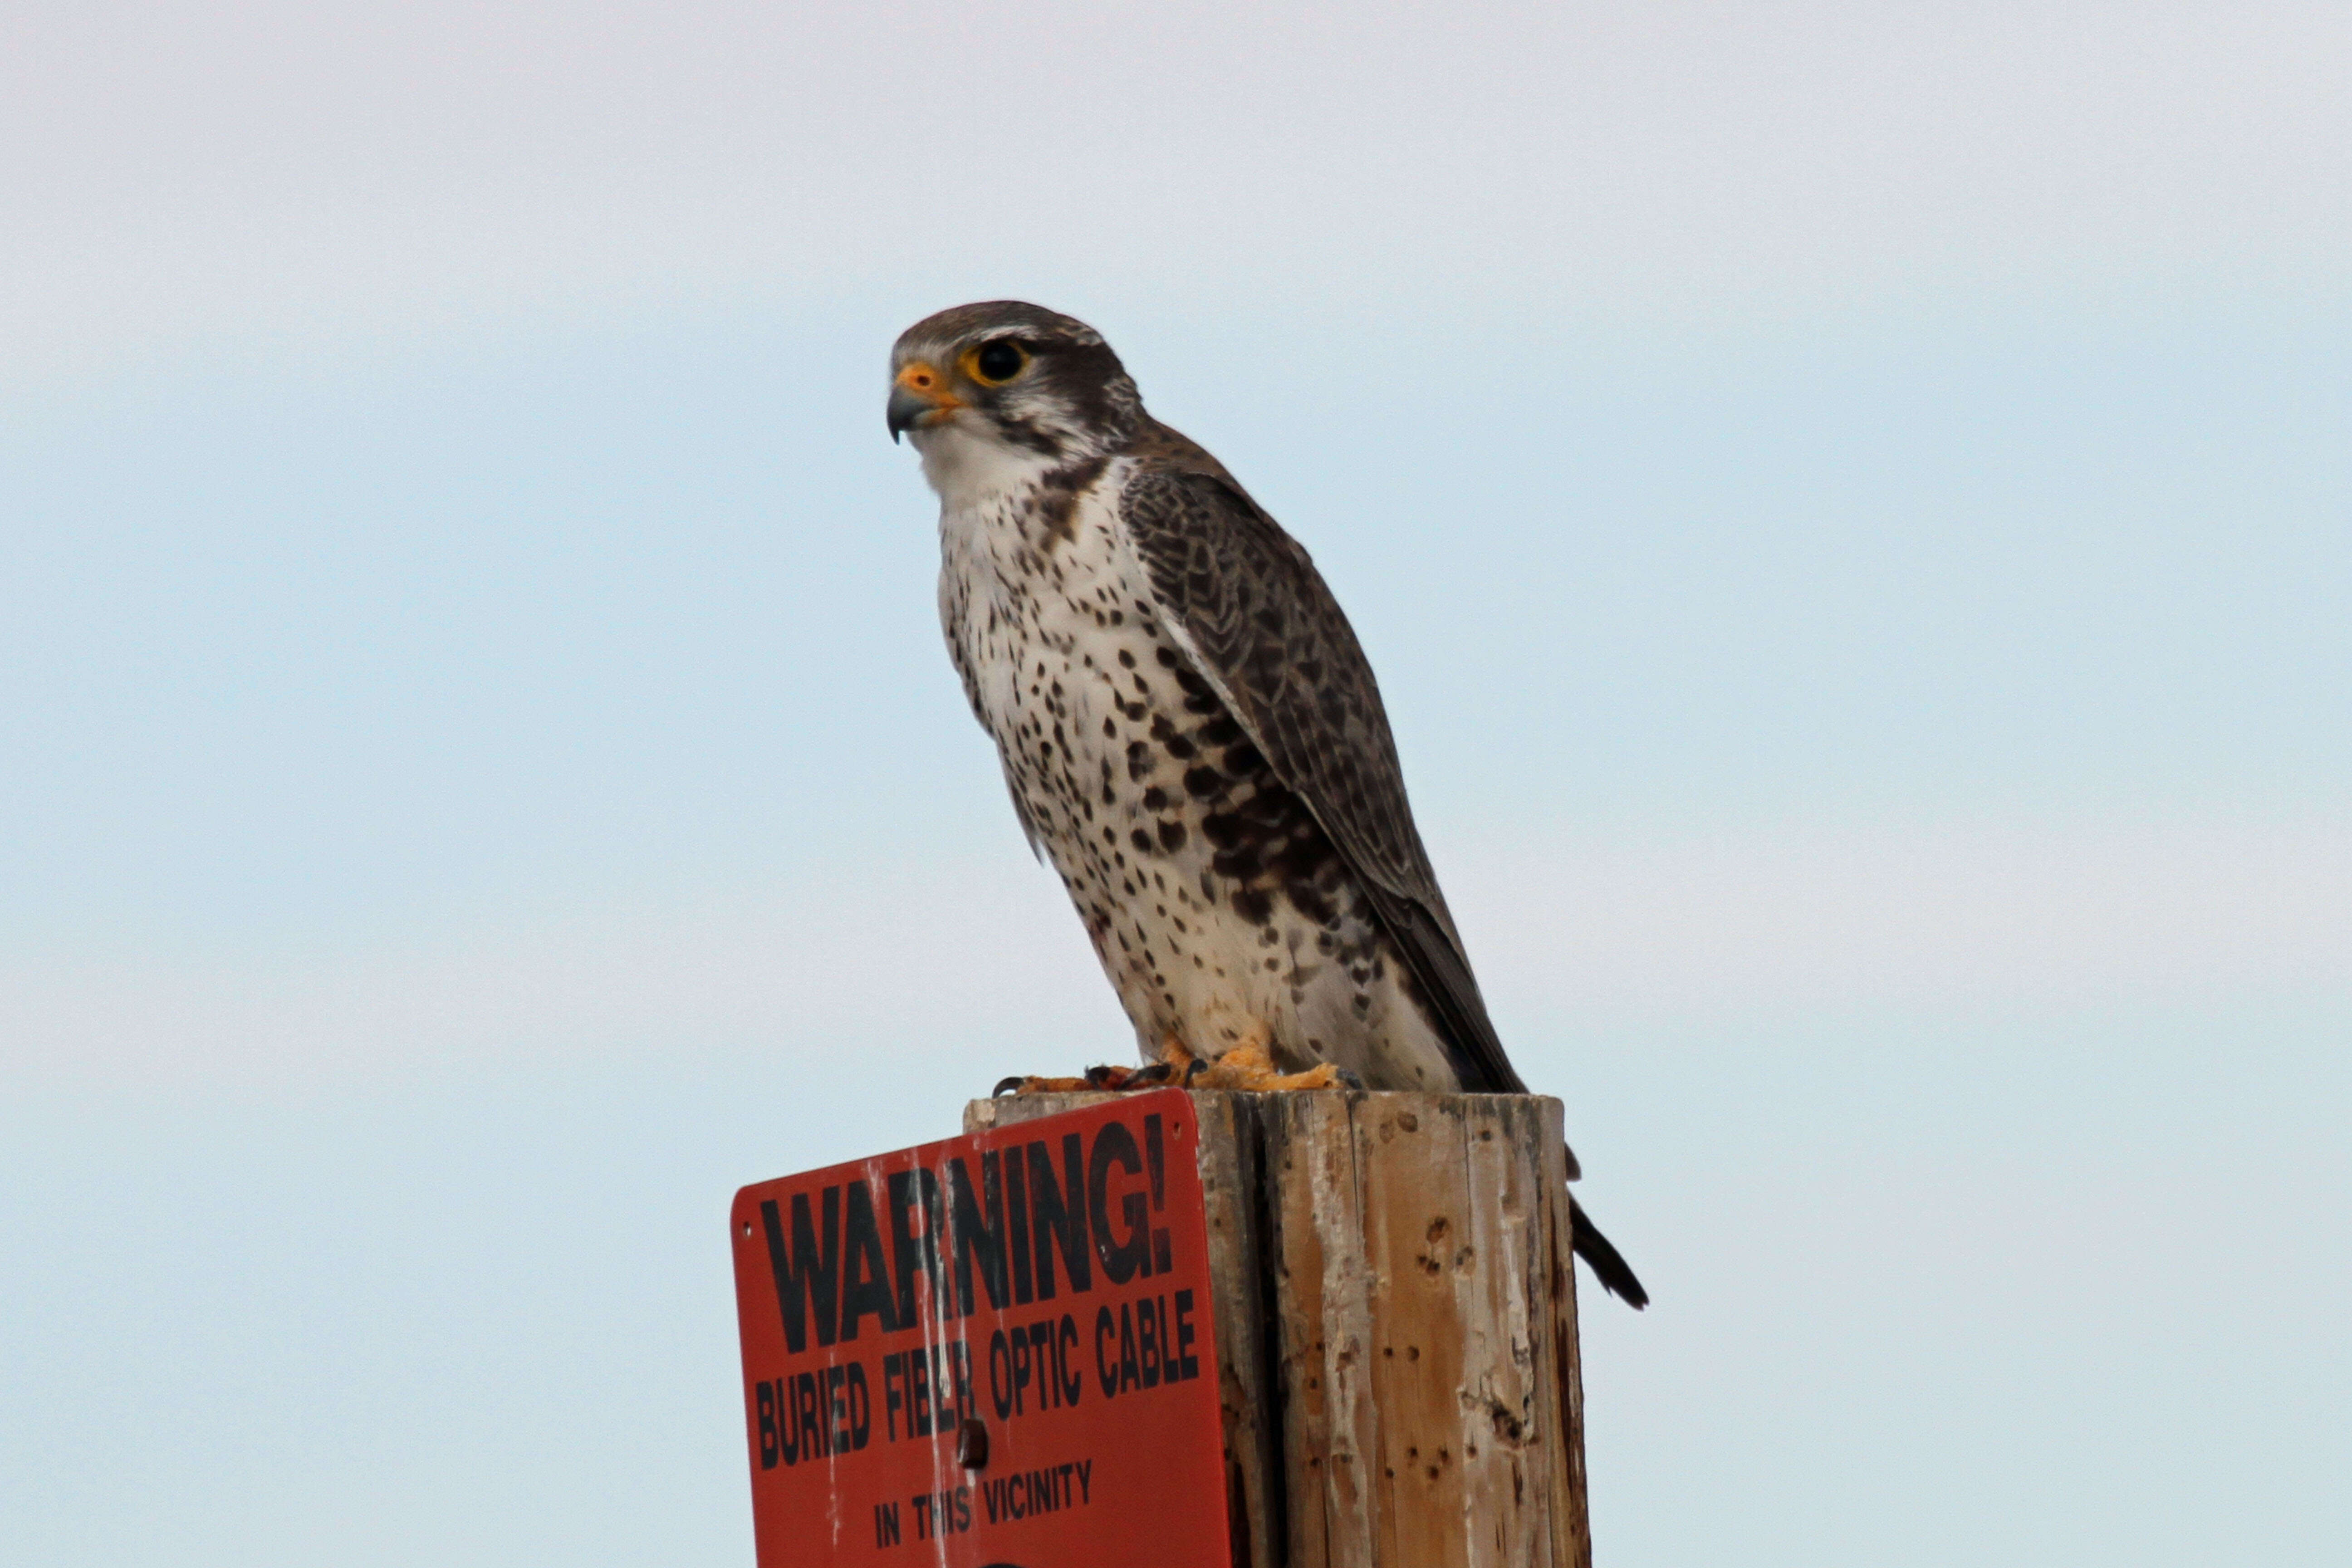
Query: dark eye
x,y
1000,360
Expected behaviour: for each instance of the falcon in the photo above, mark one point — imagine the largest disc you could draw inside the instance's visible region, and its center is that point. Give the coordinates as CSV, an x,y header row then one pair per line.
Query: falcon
x,y
1190,730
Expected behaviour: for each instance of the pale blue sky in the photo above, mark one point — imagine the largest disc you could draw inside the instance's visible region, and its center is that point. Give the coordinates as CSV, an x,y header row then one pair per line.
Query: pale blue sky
x,y
1852,506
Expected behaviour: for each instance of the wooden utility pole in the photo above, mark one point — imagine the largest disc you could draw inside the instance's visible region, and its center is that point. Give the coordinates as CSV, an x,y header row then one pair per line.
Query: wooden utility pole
x,y
1396,1325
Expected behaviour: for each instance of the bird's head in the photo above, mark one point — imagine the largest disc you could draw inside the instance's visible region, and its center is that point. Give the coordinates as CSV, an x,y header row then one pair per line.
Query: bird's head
x,y
981,387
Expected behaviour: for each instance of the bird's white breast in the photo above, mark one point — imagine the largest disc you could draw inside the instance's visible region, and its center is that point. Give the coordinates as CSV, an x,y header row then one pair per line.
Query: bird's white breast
x,y
1013,591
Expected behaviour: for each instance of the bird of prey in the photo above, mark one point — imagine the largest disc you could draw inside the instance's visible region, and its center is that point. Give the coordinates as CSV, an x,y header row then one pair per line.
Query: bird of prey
x,y
1190,732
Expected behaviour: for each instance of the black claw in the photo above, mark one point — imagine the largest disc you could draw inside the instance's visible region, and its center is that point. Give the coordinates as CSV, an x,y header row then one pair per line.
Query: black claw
x,y
1349,1077
1155,1072
1197,1068
1007,1087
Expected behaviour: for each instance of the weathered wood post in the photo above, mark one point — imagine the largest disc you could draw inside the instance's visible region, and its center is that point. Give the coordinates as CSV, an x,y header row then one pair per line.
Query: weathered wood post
x,y
1396,1325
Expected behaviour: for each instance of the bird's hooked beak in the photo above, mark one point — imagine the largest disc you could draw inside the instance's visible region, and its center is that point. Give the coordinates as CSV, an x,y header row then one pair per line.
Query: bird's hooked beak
x,y
918,392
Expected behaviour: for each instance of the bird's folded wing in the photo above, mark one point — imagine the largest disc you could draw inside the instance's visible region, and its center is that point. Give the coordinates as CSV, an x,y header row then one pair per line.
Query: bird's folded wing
x,y
1244,602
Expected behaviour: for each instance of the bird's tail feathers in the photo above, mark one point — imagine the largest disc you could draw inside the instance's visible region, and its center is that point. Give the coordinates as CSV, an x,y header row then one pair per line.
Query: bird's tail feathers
x,y
1608,1265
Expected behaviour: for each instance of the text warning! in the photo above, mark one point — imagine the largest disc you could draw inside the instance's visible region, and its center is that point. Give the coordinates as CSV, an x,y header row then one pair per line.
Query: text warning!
x,y
992,1349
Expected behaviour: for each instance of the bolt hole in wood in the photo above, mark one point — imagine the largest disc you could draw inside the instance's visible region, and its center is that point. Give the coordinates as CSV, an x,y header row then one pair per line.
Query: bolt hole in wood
x,y
972,1444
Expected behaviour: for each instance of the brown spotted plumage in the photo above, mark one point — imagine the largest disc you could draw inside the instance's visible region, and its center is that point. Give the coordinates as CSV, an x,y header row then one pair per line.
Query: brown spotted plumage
x,y
1190,734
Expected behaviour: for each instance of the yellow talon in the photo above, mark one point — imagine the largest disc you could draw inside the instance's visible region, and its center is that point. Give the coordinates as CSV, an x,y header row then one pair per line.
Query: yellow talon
x,y
1249,1067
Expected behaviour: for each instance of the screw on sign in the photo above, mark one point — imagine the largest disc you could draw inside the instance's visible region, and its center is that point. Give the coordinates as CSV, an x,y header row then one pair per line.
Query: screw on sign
x,y
993,1351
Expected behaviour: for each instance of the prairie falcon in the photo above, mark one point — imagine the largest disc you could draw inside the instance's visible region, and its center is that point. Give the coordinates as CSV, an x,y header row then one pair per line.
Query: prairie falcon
x,y
1191,735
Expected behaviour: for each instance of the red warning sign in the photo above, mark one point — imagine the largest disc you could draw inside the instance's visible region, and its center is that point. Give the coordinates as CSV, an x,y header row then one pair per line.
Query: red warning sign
x,y
991,1350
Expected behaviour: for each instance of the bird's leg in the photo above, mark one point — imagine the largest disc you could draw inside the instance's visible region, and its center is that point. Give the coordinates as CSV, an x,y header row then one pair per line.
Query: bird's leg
x,y
1097,1081
1175,1065
1249,1066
